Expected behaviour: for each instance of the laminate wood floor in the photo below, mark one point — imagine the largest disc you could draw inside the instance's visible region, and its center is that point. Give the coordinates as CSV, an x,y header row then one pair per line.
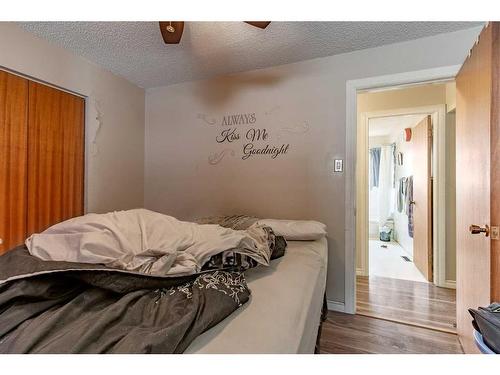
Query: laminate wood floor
x,y
406,301
357,334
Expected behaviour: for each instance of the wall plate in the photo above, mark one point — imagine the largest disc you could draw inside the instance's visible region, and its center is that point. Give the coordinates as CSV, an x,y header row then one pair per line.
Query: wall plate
x,y
338,165
495,233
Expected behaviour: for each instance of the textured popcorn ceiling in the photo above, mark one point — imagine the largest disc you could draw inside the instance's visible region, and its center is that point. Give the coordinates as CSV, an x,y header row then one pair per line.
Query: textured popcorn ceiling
x,y
135,50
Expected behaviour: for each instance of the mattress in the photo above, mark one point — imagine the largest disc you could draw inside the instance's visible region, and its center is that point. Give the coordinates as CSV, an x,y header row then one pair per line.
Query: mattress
x,y
284,310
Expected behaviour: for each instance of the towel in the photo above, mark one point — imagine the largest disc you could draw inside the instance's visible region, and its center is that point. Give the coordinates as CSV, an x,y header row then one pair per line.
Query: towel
x,y
401,194
409,204
375,166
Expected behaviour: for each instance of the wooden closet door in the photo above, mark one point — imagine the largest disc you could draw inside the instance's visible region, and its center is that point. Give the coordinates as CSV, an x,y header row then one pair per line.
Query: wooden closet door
x,y
55,157
13,146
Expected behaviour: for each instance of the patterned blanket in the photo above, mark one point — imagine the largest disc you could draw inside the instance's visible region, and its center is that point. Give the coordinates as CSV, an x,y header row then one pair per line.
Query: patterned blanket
x,y
63,307
233,260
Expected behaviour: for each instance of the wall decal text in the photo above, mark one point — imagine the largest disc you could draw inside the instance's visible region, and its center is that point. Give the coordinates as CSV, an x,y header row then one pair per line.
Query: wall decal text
x,y
254,140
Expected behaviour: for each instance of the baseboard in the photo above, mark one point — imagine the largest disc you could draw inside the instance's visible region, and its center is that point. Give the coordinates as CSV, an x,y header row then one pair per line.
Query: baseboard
x,y
335,306
452,284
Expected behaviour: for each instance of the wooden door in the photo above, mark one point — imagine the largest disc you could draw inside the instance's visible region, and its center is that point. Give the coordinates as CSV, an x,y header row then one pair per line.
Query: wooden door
x,y
495,164
13,147
55,157
421,142
473,172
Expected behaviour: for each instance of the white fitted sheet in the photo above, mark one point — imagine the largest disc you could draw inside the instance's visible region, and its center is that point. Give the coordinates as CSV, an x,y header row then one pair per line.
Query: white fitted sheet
x,y
284,310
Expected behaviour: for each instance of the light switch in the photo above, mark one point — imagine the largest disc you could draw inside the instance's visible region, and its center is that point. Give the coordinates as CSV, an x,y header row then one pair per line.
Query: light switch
x,y
338,165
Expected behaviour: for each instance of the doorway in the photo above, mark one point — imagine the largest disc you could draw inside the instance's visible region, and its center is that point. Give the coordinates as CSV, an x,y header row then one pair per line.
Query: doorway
x,y
405,267
396,155
476,129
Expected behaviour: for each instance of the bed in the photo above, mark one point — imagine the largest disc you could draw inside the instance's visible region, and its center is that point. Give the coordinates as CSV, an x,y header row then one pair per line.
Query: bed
x,y
283,313
102,283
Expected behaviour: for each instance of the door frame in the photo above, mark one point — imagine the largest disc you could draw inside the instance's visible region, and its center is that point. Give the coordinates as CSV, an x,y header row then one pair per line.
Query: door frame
x,y
438,173
352,88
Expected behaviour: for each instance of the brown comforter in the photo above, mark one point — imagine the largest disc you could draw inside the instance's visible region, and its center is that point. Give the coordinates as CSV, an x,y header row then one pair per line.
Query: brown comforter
x,y
63,307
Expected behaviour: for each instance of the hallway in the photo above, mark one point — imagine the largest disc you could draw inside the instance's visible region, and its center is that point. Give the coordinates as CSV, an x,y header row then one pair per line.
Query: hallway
x,y
406,301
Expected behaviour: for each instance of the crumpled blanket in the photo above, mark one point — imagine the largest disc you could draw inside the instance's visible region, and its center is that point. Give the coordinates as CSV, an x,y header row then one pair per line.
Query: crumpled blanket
x,y
63,307
147,242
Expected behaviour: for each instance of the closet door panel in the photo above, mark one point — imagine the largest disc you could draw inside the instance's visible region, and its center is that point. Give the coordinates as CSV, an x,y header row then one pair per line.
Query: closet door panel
x,y
13,146
73,150
55,157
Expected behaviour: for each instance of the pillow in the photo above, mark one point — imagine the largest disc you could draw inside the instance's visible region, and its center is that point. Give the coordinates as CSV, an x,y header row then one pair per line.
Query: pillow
x,y
296,230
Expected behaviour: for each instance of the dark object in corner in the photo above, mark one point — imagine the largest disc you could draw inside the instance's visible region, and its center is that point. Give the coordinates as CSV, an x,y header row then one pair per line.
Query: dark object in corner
x,y
279,247
486,320
324,316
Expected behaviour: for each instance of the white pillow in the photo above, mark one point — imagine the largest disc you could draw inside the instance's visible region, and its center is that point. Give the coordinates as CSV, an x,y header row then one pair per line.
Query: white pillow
x,y
296,230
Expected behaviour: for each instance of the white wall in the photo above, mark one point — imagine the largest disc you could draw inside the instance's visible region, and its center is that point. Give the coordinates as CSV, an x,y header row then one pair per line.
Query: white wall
x,y
451,267
180,181
115,174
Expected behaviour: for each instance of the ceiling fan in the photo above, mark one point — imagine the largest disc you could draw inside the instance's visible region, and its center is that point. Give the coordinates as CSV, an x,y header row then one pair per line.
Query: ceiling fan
x,y
171,31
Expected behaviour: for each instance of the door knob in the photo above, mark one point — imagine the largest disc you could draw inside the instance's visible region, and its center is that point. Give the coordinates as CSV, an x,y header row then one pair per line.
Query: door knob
x,y
476,229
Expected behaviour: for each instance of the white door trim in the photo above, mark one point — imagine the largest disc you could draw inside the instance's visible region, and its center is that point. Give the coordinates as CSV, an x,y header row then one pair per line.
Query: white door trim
x,y
352,88
438,115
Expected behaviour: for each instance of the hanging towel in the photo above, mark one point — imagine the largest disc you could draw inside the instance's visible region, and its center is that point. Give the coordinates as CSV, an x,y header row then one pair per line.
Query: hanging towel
x,y
401,194
408,194
409,204
375,166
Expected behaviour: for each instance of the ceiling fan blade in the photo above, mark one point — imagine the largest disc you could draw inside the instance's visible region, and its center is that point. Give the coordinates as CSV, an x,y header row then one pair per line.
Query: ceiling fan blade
x,y
171,31
259,24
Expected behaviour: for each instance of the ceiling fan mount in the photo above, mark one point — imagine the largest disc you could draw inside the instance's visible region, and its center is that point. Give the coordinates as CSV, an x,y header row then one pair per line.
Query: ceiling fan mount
x,y
171,31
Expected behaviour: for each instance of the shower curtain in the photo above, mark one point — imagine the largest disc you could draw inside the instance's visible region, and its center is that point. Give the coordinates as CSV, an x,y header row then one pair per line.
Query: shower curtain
x,y
382,174
374,166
